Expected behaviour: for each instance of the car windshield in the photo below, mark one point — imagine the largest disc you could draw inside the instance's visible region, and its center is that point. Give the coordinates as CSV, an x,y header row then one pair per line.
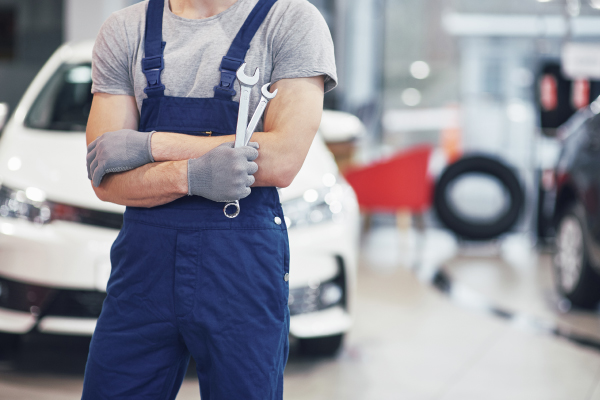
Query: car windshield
x,y
64,103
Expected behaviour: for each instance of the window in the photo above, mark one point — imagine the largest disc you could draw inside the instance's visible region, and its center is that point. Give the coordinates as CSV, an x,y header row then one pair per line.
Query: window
x,y
65,102
7,33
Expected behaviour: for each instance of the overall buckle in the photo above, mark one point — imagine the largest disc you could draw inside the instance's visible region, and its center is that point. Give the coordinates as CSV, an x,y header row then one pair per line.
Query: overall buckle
x,y
153,63
228,69
152,68
225,87
227,79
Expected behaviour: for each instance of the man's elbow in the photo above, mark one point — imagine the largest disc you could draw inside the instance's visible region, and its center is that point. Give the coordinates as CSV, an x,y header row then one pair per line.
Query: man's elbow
x,y
101,193
282,183
285,177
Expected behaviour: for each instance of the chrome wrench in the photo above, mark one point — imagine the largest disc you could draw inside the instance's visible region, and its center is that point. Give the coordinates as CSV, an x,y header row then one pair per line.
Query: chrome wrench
x,y
246,84
260,109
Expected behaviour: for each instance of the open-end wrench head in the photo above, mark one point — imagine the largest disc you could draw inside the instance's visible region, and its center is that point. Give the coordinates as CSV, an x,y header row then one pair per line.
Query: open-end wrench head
x,y
245,79
265,92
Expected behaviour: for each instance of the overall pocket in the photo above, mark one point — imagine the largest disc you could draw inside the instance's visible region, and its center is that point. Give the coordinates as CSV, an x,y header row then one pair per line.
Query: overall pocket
x,y
141,259
241,278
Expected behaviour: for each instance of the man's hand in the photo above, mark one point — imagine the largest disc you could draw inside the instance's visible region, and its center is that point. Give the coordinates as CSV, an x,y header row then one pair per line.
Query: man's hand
x,y
224,173
118,151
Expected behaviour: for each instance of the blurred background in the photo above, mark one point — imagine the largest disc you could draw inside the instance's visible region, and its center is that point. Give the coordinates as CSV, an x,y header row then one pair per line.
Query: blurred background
x,y
444,230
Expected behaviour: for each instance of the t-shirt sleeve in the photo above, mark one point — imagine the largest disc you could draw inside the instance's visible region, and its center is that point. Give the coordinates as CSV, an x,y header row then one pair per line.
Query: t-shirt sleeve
x,y
302,46
110,60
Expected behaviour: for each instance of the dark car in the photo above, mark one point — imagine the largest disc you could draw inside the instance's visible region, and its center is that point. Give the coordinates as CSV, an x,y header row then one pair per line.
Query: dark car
x,y
577,209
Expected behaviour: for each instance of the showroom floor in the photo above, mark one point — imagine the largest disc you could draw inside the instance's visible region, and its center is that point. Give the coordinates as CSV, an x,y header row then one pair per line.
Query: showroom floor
x,y
434,320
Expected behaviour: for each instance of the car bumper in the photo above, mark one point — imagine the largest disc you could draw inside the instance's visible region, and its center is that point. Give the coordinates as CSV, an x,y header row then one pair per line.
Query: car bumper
x,y
58,255
332,321
20,322
71,258
15,321
328,322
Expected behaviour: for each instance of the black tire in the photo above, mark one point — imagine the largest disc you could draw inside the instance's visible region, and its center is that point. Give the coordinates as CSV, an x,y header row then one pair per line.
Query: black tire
x,y
326,346
470,229
574,277
545,212
10,344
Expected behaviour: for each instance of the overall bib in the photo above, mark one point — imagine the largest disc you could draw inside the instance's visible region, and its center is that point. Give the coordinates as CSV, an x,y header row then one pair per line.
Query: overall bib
x,y
187,280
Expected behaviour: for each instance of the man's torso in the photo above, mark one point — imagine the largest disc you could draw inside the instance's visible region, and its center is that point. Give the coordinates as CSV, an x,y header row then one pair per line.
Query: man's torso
x,y
194,48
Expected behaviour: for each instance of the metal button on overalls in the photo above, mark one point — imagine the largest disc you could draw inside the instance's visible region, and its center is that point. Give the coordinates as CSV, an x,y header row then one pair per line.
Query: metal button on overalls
x,y
172,290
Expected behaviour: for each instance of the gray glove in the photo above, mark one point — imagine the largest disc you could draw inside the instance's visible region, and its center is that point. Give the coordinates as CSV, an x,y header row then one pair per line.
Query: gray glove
x,y
224,173
117,152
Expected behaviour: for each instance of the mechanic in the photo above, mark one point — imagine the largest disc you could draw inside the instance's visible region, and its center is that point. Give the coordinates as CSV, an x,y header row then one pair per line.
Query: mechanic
x,y
185,278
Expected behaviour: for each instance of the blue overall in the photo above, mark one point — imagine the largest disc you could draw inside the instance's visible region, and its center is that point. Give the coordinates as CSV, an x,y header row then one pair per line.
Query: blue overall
x,y
187,280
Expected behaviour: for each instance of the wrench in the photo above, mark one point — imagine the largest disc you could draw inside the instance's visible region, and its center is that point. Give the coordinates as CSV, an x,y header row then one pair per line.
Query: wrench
x,y
260,109
246,84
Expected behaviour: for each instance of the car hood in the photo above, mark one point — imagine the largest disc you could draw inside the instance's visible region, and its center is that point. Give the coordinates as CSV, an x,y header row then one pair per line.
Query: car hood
x,y
318,163
55,163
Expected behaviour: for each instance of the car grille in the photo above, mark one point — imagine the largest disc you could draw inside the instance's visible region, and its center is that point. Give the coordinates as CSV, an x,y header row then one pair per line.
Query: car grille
x,y
318,296
41,300
44,301
24,297
304,300
77,303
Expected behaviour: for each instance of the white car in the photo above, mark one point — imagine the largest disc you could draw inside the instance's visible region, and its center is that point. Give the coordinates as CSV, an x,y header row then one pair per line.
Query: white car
x,y
55,234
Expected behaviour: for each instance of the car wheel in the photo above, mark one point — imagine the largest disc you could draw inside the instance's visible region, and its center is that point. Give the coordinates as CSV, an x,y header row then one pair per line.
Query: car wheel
x,y
574,277
474,213
9,345
324,346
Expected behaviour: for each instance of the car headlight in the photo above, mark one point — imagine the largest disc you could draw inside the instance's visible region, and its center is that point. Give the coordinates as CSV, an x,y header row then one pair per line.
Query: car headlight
x,y
26,204
316,205
31,205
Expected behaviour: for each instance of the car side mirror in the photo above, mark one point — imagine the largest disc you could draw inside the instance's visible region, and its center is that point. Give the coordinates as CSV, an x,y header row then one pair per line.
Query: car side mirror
x,y
339,127
340,131
4,109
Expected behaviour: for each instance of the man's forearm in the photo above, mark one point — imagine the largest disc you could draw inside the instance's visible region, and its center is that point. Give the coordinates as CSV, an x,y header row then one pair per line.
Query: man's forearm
x,y
169,146
147,186
272,161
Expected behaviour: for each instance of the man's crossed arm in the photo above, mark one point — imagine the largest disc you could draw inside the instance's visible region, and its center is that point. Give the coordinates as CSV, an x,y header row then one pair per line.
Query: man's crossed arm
x,y
291,121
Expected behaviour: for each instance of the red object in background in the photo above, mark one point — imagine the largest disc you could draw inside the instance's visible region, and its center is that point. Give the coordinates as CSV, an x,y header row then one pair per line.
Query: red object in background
x,y
549,92
581,93
399,183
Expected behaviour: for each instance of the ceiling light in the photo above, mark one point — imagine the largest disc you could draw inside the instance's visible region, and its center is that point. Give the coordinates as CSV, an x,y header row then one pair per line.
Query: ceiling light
x,y
411,97
14,163
420,70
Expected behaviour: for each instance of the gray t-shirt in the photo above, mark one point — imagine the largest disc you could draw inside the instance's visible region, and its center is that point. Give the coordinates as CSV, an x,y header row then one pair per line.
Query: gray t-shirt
x,y
292,42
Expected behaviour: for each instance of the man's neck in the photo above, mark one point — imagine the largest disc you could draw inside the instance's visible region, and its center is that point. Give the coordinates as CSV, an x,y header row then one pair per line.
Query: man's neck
x,y
199,9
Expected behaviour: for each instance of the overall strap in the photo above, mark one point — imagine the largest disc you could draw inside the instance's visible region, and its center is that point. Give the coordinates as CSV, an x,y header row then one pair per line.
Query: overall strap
x,y
234,58
153,63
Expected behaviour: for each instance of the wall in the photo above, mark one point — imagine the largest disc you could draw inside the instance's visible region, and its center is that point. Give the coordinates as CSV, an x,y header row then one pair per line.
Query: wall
x,y
83,18
38,32
41,26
